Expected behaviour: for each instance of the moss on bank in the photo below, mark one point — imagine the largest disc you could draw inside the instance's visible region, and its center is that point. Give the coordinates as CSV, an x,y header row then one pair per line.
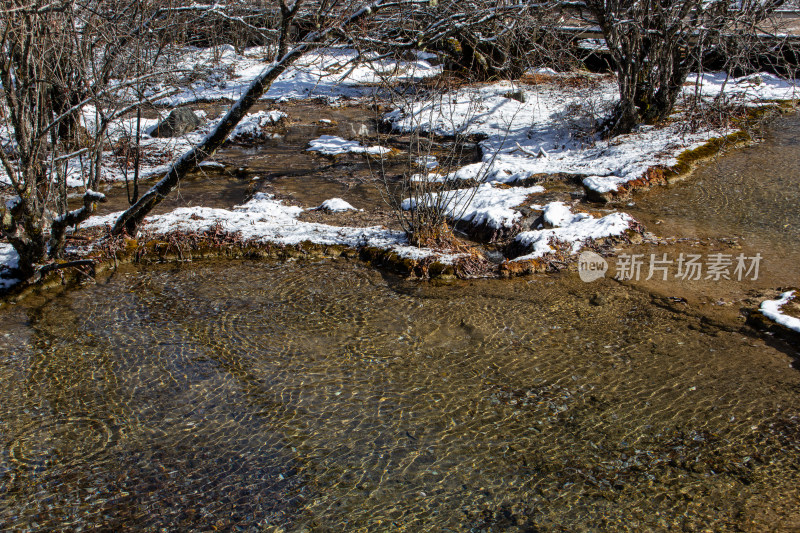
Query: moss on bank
x,y
689,159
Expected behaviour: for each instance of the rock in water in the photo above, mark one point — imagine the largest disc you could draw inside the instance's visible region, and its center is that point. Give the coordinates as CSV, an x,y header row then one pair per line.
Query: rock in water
x,y
179,122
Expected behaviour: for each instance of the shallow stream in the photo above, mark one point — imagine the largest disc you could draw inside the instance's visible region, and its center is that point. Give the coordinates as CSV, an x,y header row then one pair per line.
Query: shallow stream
x,y
327,396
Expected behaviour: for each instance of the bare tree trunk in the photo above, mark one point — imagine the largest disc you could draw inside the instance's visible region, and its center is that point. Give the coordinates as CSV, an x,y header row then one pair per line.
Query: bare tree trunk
x,y
287,15
71,218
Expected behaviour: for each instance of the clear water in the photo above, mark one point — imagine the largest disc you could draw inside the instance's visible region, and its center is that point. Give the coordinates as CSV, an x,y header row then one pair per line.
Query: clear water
x,y
327,397
750,194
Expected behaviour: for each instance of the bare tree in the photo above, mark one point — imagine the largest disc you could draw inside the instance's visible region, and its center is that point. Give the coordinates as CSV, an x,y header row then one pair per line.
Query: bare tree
x,y
656,44
68,64
64,65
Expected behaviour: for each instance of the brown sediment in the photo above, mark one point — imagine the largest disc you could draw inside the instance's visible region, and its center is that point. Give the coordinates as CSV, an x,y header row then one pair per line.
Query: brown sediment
x,y
357,219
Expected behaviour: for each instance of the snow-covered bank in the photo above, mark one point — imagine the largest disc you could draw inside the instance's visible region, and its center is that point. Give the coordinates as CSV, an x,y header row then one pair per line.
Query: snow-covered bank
x,y
485,206
551,128
329,73
570,230
266,220
548,126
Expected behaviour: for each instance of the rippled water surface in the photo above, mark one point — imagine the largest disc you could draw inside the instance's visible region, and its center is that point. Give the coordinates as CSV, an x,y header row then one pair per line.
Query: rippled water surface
x,y
751,194
326,397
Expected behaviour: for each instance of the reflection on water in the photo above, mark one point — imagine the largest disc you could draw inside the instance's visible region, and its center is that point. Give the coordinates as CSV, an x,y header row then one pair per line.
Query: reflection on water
x,y
324,397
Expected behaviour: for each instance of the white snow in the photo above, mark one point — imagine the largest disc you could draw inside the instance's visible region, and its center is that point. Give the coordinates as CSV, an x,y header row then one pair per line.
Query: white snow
x,y
754,88
266,220
557,214
487,205
332,145
554,130
428,162
254,125
331,73
335,205
101,220
574,229
772,310
428,177
8,256
9,259
597,45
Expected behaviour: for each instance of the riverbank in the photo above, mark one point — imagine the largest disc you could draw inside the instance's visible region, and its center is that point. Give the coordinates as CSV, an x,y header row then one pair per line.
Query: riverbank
x,y
549,186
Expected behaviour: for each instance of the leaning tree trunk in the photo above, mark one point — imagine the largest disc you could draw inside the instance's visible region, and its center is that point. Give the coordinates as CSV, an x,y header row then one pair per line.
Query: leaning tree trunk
x,y
130,220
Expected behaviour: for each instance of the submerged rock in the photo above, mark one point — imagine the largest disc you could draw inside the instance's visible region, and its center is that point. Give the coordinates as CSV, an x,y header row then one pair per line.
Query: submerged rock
x,y
598,299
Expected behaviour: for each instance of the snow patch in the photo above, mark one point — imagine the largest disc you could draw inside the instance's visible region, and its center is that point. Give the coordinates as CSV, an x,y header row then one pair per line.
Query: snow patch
x,y
554,130
332,145
485,205
335,205
9,259
8,256
558,214
254,125
772,310
427,162
573,229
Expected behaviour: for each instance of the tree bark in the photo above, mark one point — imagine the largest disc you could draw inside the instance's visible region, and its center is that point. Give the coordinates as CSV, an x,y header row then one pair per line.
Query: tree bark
x,y
71,218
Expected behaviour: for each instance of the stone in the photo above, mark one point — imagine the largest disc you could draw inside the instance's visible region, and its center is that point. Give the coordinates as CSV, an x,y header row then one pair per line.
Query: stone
x,y
179,122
